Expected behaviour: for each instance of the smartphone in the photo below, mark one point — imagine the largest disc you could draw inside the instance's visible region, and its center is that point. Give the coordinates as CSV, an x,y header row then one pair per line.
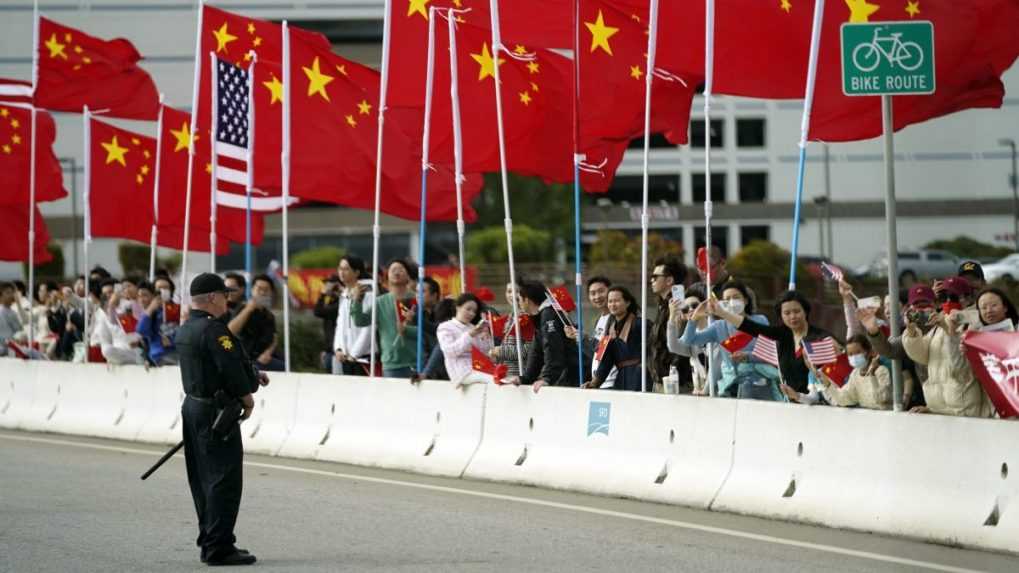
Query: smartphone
x,y
869,302
118,288
678,292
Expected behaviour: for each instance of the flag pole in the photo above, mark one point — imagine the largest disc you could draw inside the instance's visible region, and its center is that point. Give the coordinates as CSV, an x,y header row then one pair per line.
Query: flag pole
x,y
709,73
213,138
458,152
86,118
577,252
808,104
383,86
153,245
285,171
652,41
31,176
425,142
251,170
185,296
503,172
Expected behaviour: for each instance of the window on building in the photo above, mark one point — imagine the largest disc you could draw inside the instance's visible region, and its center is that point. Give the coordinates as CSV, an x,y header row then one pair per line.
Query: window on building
x,y
719,238
658,141
751,233
697,133
630,188
753,187
717,187
750,132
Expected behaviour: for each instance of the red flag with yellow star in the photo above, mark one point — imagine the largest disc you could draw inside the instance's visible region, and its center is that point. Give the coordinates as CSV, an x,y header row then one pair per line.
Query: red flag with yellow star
x,y
334,135
14,235
76,69
121,169
173,168
15,156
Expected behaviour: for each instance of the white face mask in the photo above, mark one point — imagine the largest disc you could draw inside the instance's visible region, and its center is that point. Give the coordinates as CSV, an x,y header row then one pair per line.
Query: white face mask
x,y
858,360
734,306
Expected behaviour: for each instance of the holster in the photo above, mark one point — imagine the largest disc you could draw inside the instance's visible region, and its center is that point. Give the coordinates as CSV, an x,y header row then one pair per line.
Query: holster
x,y
228,413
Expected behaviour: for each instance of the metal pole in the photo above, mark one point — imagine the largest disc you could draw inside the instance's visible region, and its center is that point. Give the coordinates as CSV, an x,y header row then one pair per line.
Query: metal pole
x,y
285,171
827,196
185,296
419,364
577,248
87,221
454,96
709,73
153,242
1014,183
893,246
213,139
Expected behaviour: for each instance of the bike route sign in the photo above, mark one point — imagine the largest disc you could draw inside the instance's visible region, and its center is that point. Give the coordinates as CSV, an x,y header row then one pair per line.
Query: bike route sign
x,y
888,58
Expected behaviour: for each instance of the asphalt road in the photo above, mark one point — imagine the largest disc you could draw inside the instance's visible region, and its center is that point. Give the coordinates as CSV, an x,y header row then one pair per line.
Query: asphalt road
x,y
76,504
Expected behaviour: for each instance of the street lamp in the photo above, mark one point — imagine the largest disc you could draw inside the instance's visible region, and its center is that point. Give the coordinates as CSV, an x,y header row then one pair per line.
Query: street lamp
x,y
1014,181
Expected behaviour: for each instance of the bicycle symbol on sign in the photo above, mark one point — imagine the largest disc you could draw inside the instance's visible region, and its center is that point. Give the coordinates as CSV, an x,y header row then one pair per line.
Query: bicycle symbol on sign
x,y
906,55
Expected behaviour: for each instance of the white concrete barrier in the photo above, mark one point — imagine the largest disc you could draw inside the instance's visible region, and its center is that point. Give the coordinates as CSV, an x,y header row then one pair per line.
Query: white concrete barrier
x,y
429,427
274,416
17,387
316,406
163,423
90,397
935,478
45,393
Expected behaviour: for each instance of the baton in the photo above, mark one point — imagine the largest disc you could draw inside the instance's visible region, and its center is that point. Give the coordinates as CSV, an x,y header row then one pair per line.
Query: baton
x,y
163,459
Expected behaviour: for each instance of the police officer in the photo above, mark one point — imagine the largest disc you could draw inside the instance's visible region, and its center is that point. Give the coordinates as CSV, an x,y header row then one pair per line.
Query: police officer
x,y
213,360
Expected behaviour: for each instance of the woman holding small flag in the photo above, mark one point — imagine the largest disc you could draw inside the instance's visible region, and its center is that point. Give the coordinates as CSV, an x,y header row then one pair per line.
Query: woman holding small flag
x,y
869,384
738,376
620,347
460,335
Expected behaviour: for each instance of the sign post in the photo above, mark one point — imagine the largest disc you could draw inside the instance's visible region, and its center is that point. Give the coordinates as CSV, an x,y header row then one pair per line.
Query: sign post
x,y
886,59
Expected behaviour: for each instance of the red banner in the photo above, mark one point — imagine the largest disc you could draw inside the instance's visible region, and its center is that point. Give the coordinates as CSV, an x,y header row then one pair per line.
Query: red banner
x,y
994,357
306,285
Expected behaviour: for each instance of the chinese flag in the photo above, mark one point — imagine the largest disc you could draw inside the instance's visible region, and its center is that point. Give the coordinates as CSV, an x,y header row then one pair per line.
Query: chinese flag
x,y
482,363
76,70
737,341
173,165
405,309
839,370
334,136
561,296
14,235
121,179
527,328
15,156
498,323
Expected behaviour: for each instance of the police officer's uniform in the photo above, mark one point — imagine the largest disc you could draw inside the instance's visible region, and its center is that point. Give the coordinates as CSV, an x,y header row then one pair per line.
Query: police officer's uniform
x,y
212,359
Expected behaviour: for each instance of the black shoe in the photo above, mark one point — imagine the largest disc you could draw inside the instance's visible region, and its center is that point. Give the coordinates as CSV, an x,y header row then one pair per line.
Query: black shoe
x,y
205,554
237,557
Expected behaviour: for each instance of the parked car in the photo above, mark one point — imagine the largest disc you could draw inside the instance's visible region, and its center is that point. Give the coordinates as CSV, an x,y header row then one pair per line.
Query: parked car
x,y
1007,268
917,265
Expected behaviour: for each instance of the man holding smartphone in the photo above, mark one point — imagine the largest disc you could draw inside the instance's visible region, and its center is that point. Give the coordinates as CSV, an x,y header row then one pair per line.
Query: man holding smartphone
x,y
668,272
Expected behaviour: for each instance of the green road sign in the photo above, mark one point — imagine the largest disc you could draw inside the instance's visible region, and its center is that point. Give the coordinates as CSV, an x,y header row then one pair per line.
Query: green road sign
x,y
888,58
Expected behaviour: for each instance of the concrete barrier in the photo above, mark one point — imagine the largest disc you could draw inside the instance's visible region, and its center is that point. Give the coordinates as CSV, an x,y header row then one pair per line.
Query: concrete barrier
x,y
163,423
316,406
90,398
274,416
429,427
934,478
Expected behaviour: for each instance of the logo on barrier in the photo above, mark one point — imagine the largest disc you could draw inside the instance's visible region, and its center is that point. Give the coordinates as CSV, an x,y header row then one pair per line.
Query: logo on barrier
x,y
598,416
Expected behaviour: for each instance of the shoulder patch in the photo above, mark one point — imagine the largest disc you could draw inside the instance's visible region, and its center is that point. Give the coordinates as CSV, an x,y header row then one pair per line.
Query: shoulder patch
x,y
226,343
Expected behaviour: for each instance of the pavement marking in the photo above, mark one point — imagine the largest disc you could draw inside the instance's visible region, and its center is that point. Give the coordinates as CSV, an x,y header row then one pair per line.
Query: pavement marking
x,y
543,503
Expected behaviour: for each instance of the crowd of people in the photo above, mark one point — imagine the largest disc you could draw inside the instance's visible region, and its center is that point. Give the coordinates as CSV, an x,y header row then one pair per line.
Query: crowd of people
x,y
718,342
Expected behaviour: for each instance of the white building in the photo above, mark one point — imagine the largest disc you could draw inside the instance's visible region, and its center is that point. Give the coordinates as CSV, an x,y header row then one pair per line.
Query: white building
x,y
952,173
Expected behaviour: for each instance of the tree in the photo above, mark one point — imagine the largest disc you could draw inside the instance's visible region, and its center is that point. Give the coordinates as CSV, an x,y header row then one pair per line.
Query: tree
x,y
970,248
134,259
529,245
325,257
618,247
53,270
764,266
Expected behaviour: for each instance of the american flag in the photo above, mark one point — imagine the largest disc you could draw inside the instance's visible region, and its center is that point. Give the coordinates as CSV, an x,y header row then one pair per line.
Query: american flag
x,y
766,350
821,351
831,272
231,104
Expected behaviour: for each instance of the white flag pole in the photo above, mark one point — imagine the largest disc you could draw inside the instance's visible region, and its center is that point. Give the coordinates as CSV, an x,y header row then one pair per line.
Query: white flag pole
x,y
153,245
808,104
185,296
496,48
86,118
709,78
31,177
213,142
376,228
651,44
454,94
285,171
422,230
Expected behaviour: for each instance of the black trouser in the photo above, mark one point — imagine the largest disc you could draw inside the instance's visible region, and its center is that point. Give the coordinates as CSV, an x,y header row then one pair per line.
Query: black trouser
x,y
215,475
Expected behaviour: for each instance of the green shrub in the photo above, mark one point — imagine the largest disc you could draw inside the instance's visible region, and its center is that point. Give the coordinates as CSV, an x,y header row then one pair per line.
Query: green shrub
x,y
325,257
53,270
530,245
618,247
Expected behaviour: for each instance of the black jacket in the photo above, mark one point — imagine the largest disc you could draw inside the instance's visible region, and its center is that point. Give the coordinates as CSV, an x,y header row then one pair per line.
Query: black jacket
x,y
327,307
213,359
553,356
794,370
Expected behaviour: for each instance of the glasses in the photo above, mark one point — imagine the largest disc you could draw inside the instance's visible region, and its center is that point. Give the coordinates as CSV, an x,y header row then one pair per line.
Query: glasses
x,y
685,309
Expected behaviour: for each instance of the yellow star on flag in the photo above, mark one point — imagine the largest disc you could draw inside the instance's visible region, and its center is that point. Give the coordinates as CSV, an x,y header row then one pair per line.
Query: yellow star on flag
x,y
139,179
912,8
16,139
7,148
525,98
636,73
860,10
275,89
146,154
257,41
350,120
55,47
223,37
4,112
208,168
534,87
342,68
78,50
251,27
600,34
317,81
183,137
15,124
786,5
364,108
521,50
533,67
145,169
418,7
136,141
67,37
484,59
114,152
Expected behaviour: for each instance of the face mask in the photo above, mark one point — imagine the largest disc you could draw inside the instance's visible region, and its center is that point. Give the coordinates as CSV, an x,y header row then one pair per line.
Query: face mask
x,y
734,306
264,301
858,360
164,293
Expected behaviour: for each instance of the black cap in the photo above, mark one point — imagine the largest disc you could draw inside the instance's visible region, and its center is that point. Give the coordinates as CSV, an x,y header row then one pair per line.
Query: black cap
x,y
208,282
971,268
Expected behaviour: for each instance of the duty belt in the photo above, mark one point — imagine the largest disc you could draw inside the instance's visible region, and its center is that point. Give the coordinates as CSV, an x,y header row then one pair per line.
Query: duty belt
x,y
209,401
